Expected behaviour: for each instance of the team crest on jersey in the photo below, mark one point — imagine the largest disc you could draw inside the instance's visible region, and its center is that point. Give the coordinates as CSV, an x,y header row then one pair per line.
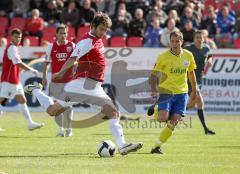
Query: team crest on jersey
x,y
185,63
69,49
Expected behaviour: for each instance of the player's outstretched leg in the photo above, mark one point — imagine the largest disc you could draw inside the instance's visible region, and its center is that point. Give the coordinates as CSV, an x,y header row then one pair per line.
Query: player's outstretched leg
x,y
117,131
53,109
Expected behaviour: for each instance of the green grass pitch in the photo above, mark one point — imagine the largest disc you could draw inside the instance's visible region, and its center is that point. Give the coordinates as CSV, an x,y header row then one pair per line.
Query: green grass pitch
x,y
188,151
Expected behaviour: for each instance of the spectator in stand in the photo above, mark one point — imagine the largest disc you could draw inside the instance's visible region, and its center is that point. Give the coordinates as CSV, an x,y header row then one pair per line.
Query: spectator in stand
x,y
122,6
5,8
52,13
3,42
120,24
165,37
188,33
19,8
188,15
157,11
210,42
237,26
70,14
210,22
34,24
107,6
86,13
138,24
225,26
174,5
37,4
26,42
152,34
142,4
174,15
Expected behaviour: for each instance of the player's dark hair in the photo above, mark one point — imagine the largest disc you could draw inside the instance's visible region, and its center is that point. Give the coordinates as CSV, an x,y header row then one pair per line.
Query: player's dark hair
x,y
62,26
16,31
101,18
176,34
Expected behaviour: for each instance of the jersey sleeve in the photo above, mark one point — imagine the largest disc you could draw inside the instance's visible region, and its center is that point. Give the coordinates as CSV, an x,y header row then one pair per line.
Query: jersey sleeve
x,y
158,67
48,53
13,54
82,48
192,64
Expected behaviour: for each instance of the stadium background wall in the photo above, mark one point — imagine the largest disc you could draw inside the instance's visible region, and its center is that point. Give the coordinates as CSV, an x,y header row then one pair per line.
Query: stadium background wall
x,y
127,72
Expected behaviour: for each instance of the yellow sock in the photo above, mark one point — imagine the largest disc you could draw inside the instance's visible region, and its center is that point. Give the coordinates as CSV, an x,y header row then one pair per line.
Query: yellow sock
x,y
155,114
165,134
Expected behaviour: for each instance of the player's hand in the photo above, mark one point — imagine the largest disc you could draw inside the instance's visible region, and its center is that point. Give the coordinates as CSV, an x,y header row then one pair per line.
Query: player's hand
x,y
35,72
192,99
154,95
56,76
44,82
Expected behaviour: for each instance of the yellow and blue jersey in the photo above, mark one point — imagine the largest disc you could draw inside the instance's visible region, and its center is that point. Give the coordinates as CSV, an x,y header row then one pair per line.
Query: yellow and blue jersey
x,y
173,70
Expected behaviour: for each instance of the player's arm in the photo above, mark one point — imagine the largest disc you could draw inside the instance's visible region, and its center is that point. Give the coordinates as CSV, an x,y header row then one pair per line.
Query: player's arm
x,y
82,48
15,58
68,64
45,71
46,64
195,90
27,68
153,82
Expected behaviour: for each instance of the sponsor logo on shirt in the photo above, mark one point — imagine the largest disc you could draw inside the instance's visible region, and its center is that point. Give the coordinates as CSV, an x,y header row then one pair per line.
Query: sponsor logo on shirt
x,y
61,56
178,71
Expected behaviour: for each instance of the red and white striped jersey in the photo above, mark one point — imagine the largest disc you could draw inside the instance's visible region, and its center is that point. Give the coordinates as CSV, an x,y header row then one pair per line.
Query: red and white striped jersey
x,y
57,55
90,55
10,67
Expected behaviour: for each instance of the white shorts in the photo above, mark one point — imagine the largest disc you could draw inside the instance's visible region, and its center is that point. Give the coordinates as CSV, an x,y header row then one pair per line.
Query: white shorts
x,y
84,90
9,90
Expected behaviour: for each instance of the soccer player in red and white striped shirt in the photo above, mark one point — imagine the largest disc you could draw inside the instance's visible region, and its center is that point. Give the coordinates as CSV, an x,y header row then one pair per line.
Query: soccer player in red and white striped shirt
x,y
86,88
10,78
57,54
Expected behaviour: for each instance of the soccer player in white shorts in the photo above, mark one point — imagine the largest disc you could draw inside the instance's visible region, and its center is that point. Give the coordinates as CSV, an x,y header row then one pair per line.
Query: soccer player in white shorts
x,y
10,81
57,54
89,53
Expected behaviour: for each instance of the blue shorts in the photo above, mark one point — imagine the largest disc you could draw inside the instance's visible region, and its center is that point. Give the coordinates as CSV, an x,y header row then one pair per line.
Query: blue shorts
x,y
174,104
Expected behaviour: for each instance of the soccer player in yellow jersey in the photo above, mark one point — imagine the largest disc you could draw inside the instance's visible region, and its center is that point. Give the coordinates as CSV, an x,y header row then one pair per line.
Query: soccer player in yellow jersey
x,y
168,80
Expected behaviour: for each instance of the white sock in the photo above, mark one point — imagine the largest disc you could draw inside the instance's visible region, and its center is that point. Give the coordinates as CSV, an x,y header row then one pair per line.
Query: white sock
x,y
59,121
24,109
117,132
43,99
68,116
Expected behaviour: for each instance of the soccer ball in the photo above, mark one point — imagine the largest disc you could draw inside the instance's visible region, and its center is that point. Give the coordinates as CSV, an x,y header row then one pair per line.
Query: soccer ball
x,y
106,149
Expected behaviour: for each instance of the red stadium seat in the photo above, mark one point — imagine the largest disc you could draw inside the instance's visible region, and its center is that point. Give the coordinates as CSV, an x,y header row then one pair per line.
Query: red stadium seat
x,y
117,41
17,22
49,31
71,33
34,41
237,43
81,31
4,22
134,41
105,41
2,31
214,3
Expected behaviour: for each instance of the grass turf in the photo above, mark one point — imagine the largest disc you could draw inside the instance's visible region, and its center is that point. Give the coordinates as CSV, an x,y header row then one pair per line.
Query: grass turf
x,y
188,151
